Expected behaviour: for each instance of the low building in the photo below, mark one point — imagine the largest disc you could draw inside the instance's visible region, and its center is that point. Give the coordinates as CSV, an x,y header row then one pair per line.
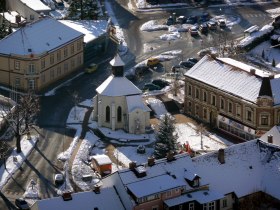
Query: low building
x,y
118,103
40,54
102,164
30,10
234,97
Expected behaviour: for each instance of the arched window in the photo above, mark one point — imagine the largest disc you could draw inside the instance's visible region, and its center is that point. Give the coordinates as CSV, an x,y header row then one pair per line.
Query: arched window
x,y
119,114
107,114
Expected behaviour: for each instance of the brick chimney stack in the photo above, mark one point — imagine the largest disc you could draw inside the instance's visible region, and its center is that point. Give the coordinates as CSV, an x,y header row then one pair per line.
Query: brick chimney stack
x,y
221,156
151,161
270,139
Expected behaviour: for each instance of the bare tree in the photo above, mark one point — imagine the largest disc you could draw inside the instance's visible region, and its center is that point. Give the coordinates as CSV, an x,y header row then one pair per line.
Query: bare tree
x,y
4,151
201,130
20,116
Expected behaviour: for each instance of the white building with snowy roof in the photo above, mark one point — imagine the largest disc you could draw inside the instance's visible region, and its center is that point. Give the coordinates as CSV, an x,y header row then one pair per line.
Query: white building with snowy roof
x,y
226,179
232,96
118,103
40,54
30,10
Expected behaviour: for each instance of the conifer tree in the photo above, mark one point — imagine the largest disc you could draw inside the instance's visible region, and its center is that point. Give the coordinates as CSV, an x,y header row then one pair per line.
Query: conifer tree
x,y
166,138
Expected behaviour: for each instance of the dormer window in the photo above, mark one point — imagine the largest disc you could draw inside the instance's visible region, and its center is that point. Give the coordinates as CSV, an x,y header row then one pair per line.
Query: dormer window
x,y
196,182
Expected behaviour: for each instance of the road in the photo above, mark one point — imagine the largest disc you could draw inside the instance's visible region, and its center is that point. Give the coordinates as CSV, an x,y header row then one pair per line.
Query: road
x,y
42,162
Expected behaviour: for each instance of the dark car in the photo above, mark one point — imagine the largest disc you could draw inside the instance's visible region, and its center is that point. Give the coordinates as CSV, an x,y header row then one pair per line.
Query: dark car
x,y
151,86
194,60
212,25
222,23
192,19
161,83
203,28
205,17
193,31
181,19
186,64
169,21
21,204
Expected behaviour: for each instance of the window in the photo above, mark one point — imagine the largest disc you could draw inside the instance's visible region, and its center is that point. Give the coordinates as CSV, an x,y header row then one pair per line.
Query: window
x,y
222,103
211,205
249,115
58,70
204,113
204,96
65,67
79,60
43,78
155,208
196,109
65,52
213,100
190,106
197,93
17,82
264,120
238,110
230,107
52,74
73,63
58,56
180,207
119,114
190,90
31,69
31,84
43,63
168,193
51,59
278,117
107,114
224,203
79,45
17,65
72,49
196,182
31,17
191,206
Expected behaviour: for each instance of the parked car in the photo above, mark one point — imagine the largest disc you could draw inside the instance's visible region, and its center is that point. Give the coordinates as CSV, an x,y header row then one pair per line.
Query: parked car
x,y
58,179
21,204
222,23
186,64
91,68
169,21
151,86
141,149
212,25
203,28
161,83
193,31
194,60
205,17
174,68
192,19
152,62
181,19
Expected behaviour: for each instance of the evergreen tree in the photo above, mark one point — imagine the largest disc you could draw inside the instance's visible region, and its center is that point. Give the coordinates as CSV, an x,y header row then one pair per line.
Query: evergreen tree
x,y
166,138
83,9
263,55
273,63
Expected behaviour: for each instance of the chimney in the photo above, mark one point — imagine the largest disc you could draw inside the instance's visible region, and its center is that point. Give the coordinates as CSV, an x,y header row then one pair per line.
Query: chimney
x,y
67,196
170,156
18,18
270,139
221,156
132,165
271,76
253,71
151,161
96,189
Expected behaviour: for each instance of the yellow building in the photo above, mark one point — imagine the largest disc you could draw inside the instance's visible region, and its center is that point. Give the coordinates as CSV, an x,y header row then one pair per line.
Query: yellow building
x,y
40,54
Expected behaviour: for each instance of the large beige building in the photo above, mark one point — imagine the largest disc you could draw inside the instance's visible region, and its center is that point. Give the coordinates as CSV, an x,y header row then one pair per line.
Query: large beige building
x,y
40,54
232,96
118,103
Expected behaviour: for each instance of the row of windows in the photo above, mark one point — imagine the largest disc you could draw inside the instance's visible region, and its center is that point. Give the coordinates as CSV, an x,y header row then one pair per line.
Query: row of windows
x,y
119,114
52,56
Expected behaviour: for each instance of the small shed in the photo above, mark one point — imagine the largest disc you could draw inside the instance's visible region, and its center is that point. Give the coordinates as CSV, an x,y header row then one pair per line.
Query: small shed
x,y
102,164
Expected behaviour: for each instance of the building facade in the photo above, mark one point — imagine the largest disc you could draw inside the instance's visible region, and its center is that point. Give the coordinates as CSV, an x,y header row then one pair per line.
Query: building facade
x,y
232,96
34,56
118,103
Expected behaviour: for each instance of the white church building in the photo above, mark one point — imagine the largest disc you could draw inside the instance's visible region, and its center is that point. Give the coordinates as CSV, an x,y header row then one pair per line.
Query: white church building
x,y
118,103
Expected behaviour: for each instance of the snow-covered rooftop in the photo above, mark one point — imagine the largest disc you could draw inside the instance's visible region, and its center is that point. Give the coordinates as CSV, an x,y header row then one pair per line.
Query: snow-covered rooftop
x,y
102,159
117,61
227,75
249,167
36,5
275,132
38,37
92,29
107,199
202,196
11,16
275,87
117,86
154,185
136,102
